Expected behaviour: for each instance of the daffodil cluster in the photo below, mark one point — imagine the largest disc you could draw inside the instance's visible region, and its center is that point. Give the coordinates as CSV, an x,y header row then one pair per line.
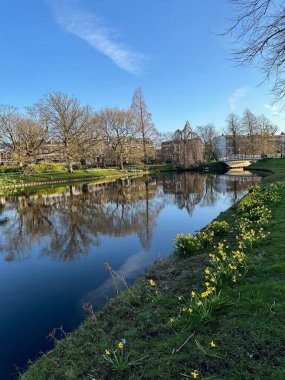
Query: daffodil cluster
x,y
201,304
228,260
218,227
249,239
188,244
119,359
258,196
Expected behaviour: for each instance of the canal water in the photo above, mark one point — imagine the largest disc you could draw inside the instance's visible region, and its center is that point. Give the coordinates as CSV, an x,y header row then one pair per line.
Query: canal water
x,y
54,243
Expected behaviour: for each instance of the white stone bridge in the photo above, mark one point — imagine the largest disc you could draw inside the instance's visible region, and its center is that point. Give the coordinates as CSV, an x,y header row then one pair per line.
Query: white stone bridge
x,y
235,162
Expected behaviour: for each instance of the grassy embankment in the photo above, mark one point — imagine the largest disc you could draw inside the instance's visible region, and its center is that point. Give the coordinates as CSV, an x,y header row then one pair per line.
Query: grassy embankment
x,y
214,166
235,334
18,179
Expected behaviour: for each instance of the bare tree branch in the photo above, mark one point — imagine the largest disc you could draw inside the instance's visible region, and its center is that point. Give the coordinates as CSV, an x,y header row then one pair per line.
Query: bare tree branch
x,y
259,32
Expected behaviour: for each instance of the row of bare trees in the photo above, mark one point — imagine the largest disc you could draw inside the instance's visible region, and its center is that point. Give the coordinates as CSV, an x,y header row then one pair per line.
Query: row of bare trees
x,y
58,127
250,134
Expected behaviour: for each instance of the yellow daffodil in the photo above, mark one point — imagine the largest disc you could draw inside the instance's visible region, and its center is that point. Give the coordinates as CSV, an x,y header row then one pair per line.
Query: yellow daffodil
x,y
152,282
212,344
195,374
107,352
120,345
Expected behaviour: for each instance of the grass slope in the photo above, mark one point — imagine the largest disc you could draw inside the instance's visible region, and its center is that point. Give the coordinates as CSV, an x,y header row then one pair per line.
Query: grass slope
x,y
248,332
15,178
276,166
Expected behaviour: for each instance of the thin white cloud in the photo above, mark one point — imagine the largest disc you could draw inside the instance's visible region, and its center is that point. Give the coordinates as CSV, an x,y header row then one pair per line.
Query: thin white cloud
x,y
274,109
93,31
236,96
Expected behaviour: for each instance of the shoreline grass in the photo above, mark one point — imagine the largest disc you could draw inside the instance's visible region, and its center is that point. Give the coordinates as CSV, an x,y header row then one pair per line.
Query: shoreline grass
x,y
155,329
13,180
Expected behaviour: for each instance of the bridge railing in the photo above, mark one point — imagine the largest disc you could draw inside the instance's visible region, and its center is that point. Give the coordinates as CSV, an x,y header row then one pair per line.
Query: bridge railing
x,y
240,157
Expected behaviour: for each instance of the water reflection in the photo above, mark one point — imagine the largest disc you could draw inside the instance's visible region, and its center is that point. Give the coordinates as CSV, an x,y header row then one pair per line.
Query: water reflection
x,y
56,241
64,225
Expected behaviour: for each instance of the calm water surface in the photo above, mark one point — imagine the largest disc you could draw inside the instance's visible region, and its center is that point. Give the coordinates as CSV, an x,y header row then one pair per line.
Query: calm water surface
x,y
54,243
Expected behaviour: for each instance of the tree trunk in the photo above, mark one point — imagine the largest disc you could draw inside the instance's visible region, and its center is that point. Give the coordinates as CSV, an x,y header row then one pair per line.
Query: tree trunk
x,y
70,169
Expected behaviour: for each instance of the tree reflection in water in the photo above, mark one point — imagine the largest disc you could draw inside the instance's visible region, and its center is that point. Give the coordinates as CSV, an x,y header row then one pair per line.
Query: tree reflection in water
x,y
65,225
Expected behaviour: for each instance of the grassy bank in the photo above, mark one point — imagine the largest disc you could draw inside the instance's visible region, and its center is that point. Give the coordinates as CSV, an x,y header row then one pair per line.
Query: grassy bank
x,y
19,179
16,179
214,166
46,188
274,166
194,315
160,168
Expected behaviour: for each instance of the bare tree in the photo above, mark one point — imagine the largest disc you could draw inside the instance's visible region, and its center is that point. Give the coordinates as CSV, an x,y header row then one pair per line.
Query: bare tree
x,y
20,136
250,129
119,133
259,28
143,123
233,130
9,136
69,123
265,132
207,134
32,135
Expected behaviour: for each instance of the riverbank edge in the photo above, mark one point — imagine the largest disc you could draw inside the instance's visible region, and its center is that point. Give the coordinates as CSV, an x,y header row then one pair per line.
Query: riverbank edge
x,y
112,323
156,169
71,180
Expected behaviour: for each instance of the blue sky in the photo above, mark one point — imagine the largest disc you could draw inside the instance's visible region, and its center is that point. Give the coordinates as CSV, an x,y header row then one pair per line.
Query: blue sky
x,y
101,50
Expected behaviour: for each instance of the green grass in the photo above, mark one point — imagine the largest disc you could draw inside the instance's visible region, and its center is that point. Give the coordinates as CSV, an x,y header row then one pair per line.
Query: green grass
x,y
160,167
12,179
248,333
15,178
276,166
214,166
47,189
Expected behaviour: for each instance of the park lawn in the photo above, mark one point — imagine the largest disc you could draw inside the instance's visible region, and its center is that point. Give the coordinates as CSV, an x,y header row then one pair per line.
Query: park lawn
x,y
16,178
276,166
248,332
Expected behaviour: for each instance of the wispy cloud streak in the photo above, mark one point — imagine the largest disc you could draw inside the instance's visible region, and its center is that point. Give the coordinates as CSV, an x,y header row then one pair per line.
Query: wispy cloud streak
x,y
93,31
276,111
236,96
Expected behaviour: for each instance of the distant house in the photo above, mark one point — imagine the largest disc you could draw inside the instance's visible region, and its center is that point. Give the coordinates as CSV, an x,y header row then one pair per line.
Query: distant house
x,y
185,149
49,151
5,157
